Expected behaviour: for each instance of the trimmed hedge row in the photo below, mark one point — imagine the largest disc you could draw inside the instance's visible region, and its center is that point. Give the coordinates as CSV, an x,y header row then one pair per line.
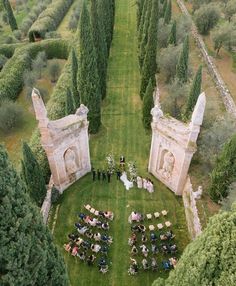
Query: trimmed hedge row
x,y
8,49
11,76
49,19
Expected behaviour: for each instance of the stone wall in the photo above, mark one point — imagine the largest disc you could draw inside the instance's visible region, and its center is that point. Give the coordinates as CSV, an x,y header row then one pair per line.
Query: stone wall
x,y
45,209
220,84
191,211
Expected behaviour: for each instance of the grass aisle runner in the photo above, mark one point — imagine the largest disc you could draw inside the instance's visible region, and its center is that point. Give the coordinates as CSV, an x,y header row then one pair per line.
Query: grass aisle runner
x,y
122,133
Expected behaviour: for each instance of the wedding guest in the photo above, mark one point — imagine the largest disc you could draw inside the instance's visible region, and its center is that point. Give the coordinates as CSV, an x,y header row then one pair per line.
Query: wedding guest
x,y
104,177
118,174
139,182
144,183
94,174
150,186
108,176
98,174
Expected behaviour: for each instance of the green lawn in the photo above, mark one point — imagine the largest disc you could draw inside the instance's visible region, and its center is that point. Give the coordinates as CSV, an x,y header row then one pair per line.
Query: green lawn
x,y
122,133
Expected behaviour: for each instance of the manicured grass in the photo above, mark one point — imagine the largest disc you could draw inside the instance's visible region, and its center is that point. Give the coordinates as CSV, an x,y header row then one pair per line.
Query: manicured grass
x,y
122,133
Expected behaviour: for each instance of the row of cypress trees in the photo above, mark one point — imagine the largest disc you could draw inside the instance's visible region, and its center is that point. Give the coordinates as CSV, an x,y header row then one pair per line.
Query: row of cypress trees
x,y
10,14
95,36
28,255
148,15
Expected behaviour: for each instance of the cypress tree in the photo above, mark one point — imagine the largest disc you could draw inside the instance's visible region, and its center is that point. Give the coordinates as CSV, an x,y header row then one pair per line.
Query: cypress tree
x,y
224,172
147,106
105,14
32,175
168,12
74,74
28,255
142,21
194,92
88,80
173,38
10,15
182,65
100,46
140,4
163,10
70,103
142,50
210,258
150,65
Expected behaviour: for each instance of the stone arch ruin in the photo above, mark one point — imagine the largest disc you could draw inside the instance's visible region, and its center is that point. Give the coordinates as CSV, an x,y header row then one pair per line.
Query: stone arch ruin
x,y
173,145
65,142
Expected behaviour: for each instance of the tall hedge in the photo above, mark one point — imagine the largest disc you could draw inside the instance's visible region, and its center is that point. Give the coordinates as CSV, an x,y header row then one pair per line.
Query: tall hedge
x,y
224,172
11,76
10,15
49,19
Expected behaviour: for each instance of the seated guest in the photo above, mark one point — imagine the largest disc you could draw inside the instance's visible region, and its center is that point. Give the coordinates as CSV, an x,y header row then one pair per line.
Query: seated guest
x,y
141,228
81,255
78,241
139,182
95,248
89,234
103,269
82,216
163,237
166,265
153,237
106,238
144,238
154,264
145,264
75,251
67,247
105,226
144,183
134,228
109,215
132,240
144,250
149,186
99,224
104,249
165,248
97,236
82,230
86,244
173,261
173,248
93,221
134,250
102,262
170,235
90,259
72,236
78,225
154,249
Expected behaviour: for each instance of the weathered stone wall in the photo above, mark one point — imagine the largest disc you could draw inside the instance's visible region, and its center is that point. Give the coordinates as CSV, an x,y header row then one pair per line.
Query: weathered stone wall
x,y
220,84
191,211
45,209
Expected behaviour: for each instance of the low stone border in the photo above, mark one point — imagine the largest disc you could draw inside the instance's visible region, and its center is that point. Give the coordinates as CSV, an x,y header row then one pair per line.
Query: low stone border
x,y
220,84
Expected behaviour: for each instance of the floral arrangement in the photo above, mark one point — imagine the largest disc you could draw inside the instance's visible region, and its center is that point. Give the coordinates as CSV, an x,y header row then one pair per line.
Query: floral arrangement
x,y
132,169
111,165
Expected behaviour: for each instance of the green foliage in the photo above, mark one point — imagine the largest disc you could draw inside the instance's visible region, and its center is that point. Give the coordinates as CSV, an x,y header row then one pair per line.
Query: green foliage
x,y
32,176
88,80
3,60
8,50
194,92
144,37
163,10
224,36
173,37
215,136
182,65
224,173
147,106
100,46
210,258
28,255
228,202
70,103
10,15
206,18
11,115
140,4
150,65
54,70
168,12
142,22
230,9
55,195
168,61
74,73
11,76
49,19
